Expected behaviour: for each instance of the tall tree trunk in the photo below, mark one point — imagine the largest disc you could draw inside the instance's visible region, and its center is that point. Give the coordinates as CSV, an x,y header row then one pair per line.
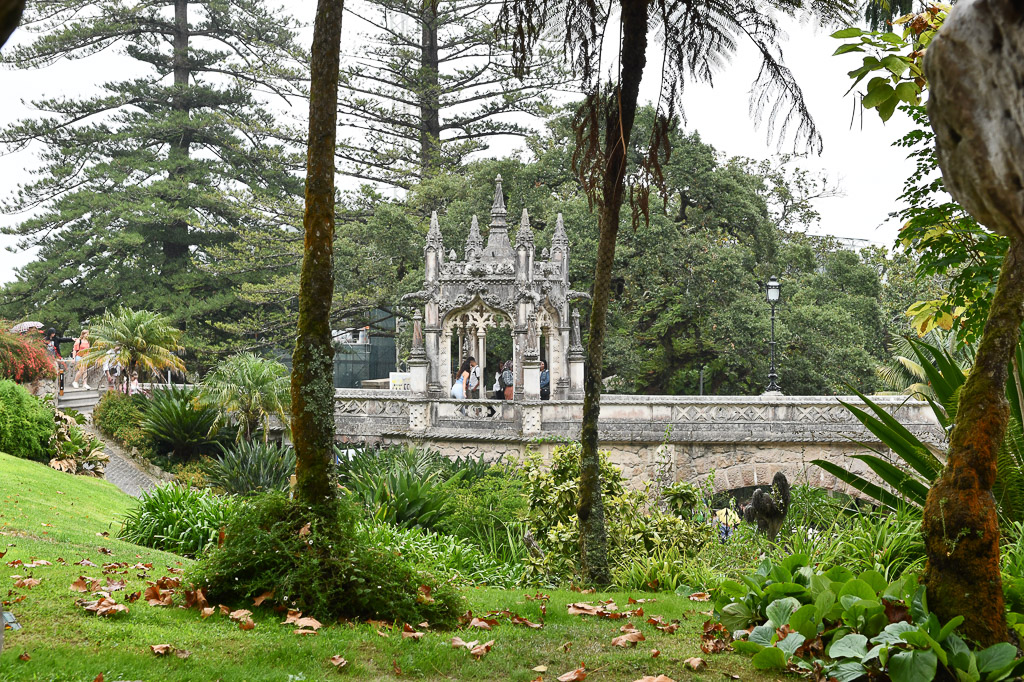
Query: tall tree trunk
x,y
175,238
961,526
975,69
430,104
619,112
10,15
313,359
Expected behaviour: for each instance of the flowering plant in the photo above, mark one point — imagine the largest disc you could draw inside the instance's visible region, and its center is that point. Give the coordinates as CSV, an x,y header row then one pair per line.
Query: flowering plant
x,y
23,358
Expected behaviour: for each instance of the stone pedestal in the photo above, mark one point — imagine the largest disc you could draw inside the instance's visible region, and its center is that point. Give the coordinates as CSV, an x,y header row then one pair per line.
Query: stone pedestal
x,y
418,368
575,376
531,377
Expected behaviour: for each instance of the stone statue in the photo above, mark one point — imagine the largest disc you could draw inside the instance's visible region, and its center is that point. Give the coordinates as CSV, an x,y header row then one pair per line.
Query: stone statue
x,y
768,510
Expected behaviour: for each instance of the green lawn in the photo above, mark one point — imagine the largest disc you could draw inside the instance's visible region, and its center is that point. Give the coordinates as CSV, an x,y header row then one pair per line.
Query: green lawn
x,y
48,515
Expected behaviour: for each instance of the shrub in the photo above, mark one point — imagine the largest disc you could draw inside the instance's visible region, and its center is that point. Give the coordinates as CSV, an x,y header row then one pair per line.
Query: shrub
x,y
458,560
119,416
73,450
634,524
246,468
178,423
26,423
24,358
192,474
319,563
177,519
491,512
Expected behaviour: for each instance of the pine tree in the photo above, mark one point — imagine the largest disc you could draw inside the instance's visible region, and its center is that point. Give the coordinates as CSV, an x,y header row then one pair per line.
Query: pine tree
x,y
432,86
137,182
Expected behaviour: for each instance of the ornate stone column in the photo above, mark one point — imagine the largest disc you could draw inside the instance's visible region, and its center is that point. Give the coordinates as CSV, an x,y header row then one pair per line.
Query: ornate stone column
x,y
531,361
418,363
576,358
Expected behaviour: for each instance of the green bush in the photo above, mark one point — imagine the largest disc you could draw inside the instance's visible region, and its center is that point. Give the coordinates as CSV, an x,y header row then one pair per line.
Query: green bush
x,y
246,468
319,563
119,416
491,512
634,524
180,424
177,519
865,627
460,562
26,423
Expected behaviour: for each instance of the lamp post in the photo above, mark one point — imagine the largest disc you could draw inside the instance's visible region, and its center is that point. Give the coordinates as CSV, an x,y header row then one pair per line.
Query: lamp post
x,y
772,292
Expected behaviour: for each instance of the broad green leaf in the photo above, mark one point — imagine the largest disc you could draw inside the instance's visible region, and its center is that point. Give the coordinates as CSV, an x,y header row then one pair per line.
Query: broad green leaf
x,y
851,646
795,561
769,659
877,95
913,666
736,616
847,671
778,590
875,580
804,622
896,64
763,634
908,92
849,47
949,627
746,647
996,657
851,32
859,588
839,574
791,643
780,610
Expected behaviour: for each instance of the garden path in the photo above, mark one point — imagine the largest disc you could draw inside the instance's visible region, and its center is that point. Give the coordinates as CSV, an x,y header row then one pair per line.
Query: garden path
x,y
121,470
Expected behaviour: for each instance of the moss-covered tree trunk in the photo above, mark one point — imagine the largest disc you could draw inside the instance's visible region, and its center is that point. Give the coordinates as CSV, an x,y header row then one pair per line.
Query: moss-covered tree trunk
x,y
313,359
975,69
10,15
619,113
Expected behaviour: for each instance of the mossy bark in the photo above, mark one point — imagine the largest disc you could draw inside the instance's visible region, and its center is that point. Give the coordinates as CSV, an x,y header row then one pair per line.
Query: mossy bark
x,y
313,360
961,527
620,112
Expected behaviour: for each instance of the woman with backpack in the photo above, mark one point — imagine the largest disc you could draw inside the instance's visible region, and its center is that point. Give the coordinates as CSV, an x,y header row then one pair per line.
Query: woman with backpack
x,y
508,380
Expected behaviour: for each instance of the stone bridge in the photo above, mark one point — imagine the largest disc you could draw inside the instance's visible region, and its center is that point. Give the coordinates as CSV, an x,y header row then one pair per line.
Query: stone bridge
x,y
660,439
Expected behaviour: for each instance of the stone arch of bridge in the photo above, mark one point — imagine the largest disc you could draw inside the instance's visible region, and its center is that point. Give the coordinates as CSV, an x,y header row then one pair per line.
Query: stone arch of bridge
x,y
469,324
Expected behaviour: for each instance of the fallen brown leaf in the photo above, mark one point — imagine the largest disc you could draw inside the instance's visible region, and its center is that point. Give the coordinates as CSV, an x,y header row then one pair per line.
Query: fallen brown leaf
x,y
540,669
383,634
98,678
669,629
566,647
207,612
425,625
629,639
304,531
659,678
263,597
577,675
338,662
409,633
224,610
161,649
240,614
293,616
80,585
27,583
457,643
695,663
483,623
700,596
25,657
516,620
628,627
481,650
104,550
246,624
655,653
85,562
182,653
311,623
304,631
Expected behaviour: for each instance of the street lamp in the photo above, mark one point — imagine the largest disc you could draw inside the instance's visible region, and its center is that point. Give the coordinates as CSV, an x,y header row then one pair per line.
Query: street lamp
x,y
772,292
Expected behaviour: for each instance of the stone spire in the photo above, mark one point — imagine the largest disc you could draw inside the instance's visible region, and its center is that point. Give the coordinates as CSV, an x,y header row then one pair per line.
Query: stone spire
x,y
525,236
434,238
474,242
560,238
498,248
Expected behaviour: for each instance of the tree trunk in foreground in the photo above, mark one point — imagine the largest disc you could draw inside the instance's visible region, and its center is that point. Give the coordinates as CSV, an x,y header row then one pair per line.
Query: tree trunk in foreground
x,y
10,15
313,359
619,113
975,69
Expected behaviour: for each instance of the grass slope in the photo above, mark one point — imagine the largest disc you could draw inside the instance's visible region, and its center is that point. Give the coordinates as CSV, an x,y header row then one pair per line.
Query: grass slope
x,y
49,515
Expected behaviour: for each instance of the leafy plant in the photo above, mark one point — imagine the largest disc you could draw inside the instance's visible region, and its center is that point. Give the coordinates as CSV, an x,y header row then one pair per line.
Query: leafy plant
x,y
490,511
135,339
252,389
119,416
909,484
73,450
26,423
317,561
180,423
682,498
460,561
23,358
246,468
178,519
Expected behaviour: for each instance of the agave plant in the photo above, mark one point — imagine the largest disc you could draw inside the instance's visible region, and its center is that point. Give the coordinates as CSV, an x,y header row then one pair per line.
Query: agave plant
x,y
177,420
918,467
247,468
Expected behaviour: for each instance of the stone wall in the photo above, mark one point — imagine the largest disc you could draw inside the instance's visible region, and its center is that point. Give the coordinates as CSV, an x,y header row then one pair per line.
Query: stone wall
x,y
661,439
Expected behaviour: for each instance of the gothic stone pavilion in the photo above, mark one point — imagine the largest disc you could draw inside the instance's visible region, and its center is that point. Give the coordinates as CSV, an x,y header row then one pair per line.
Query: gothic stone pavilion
x,y
498,285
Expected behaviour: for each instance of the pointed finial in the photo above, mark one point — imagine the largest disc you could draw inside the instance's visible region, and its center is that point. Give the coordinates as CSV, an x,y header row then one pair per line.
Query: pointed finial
x,y
498,207
525,236
434,238
560,238
474,242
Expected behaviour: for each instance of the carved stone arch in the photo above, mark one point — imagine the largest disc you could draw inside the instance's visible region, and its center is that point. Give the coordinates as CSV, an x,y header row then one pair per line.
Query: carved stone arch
x,y
474,317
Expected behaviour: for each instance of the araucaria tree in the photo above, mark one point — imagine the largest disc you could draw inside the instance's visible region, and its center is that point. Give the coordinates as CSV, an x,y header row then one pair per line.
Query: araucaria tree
x,y
139,179
975,68
696,38
312,361
433,84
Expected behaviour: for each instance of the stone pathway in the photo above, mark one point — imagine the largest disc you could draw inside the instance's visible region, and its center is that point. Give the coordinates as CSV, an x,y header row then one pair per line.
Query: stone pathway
x,y
121,470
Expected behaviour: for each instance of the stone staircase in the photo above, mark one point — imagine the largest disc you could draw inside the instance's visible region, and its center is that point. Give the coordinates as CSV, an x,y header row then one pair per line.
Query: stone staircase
x,y
79,399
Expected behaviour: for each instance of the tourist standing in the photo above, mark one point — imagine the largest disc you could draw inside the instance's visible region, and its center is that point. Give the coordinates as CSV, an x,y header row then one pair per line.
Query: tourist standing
x,y
508,380
462,379
545,382
498,392
81,346
474,379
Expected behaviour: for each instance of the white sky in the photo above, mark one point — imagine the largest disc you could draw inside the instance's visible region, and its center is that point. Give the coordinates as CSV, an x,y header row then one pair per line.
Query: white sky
x,y
860,158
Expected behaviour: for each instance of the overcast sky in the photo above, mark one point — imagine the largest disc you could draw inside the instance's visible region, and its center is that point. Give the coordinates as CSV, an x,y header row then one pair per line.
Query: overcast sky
x,y
859,158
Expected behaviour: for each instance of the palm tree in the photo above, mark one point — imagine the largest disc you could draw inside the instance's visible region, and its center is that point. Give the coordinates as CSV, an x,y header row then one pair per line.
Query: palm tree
x,y
697,38
313,360
250,388
135,339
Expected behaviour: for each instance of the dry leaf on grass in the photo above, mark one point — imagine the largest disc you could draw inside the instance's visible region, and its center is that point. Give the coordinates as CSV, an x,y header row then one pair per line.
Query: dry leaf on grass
x,y
161,649
457,643
516,620
105,606
715,638
24,657
383,634
425,625
304,631
629,639
85,562
182,653
628,627
696,664
293,616
207,612
659,678
240,614
577,675
566,647
246,624
481,650
409,633
338,662
155,596
483,623
27,583
540,669
82,584
263,597
700,596
655,653
311,623
669,629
